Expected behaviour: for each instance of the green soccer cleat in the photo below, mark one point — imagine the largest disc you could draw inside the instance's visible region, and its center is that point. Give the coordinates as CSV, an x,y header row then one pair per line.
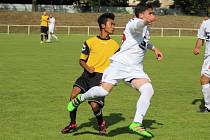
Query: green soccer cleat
x,y
72,105
139,129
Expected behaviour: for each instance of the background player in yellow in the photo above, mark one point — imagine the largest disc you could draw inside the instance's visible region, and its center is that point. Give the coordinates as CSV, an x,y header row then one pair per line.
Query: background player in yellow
x,y
94,59
44,26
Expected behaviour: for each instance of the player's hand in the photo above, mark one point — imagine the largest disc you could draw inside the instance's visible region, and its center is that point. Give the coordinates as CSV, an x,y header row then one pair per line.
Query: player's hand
x,y
196,51
149,19
158,54
91,70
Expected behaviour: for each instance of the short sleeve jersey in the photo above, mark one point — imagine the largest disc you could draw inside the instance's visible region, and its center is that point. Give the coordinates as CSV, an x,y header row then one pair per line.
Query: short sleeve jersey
x,y
204,33
44,21
135,42
97,51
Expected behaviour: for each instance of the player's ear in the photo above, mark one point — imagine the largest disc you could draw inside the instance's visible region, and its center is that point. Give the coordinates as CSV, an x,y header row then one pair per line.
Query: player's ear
x,y
141,15
102,26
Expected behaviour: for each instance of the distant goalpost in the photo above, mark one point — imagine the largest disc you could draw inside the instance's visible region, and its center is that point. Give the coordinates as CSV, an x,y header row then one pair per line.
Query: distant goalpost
x,y
93,30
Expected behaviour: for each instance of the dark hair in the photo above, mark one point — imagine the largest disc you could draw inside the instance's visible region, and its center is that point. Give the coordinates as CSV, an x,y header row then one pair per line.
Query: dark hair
x,y
102,19
141,7
207,14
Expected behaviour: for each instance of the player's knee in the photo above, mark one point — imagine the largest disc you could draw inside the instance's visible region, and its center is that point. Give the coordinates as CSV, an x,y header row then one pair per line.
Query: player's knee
x,y
75,91
107,87
147,89
95,107
73,95
204,80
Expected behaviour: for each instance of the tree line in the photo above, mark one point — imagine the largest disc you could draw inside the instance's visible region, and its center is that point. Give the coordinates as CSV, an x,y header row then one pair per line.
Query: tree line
x,y
193,6
186,6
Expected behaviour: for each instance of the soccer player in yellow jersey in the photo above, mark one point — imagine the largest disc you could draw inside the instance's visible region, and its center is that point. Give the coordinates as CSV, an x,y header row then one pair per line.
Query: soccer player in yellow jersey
x,y
44,27
94,59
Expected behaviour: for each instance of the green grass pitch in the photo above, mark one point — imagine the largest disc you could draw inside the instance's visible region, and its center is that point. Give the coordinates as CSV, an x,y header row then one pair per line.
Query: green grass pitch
x,y
36,79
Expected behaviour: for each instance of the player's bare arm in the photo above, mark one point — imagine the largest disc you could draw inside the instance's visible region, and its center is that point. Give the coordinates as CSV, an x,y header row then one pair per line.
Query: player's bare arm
x,y
198,45
86,67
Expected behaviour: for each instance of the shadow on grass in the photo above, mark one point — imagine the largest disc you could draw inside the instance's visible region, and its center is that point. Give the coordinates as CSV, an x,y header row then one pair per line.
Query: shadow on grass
x,y
201,105
111,120
123,130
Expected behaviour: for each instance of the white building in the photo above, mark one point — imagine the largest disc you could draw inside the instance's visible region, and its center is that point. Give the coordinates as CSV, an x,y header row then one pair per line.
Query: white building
x,y
163,3
166,3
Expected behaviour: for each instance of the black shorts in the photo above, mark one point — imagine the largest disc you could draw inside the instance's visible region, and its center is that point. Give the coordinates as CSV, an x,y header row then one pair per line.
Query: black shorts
x,y
44,29
88,80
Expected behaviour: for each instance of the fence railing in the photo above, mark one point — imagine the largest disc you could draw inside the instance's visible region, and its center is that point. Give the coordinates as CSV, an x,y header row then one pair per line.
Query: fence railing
x,y
93,30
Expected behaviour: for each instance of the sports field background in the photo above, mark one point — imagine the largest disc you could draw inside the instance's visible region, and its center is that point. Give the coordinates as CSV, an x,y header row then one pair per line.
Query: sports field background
x,y
35,81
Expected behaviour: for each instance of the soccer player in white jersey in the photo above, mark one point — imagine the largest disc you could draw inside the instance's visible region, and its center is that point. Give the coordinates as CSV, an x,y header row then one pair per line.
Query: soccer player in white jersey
x,y
127,65
204,38
51,28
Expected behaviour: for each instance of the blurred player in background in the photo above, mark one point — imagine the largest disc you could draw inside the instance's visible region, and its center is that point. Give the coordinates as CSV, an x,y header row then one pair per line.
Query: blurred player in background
x,y
51,28
127,65
204,38
206,17
44,27
94,59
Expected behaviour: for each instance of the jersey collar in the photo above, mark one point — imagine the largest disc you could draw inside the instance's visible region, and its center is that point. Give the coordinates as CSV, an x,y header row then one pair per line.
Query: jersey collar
x,y
103,38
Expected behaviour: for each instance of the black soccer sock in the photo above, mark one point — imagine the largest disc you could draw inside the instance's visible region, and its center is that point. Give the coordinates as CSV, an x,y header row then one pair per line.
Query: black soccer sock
x,y
46,36
41,37
99,116
73,115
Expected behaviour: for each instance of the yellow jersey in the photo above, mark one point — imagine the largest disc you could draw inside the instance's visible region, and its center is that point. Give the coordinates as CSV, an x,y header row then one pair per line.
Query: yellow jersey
x,y
44,21
97,51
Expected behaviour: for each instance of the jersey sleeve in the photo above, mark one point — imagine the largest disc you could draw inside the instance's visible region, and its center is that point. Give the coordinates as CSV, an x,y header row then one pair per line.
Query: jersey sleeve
x,y
137,25
85,51
150,46
140,24
201,31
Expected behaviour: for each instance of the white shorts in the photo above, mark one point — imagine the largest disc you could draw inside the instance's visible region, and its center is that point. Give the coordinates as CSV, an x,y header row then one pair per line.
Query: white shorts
x,y
51,29
118,71
206,67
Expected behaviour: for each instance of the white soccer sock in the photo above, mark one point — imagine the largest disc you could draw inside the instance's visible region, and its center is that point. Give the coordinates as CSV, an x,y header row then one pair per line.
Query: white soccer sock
x,y
49,37
143,102
94,92
53,35
206,95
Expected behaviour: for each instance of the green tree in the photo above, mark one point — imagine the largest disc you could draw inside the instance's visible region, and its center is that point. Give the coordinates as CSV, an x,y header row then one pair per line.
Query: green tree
x,y
106,2
34,5
94,2
114,3
193,6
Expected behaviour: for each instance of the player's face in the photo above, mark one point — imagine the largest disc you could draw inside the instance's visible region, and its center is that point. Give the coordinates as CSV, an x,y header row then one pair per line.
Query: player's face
x,y
45,13
148,15
109,26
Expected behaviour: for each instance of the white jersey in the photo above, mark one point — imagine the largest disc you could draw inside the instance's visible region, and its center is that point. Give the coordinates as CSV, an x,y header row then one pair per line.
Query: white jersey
x,y
204,33
135,44
52,21
51,24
